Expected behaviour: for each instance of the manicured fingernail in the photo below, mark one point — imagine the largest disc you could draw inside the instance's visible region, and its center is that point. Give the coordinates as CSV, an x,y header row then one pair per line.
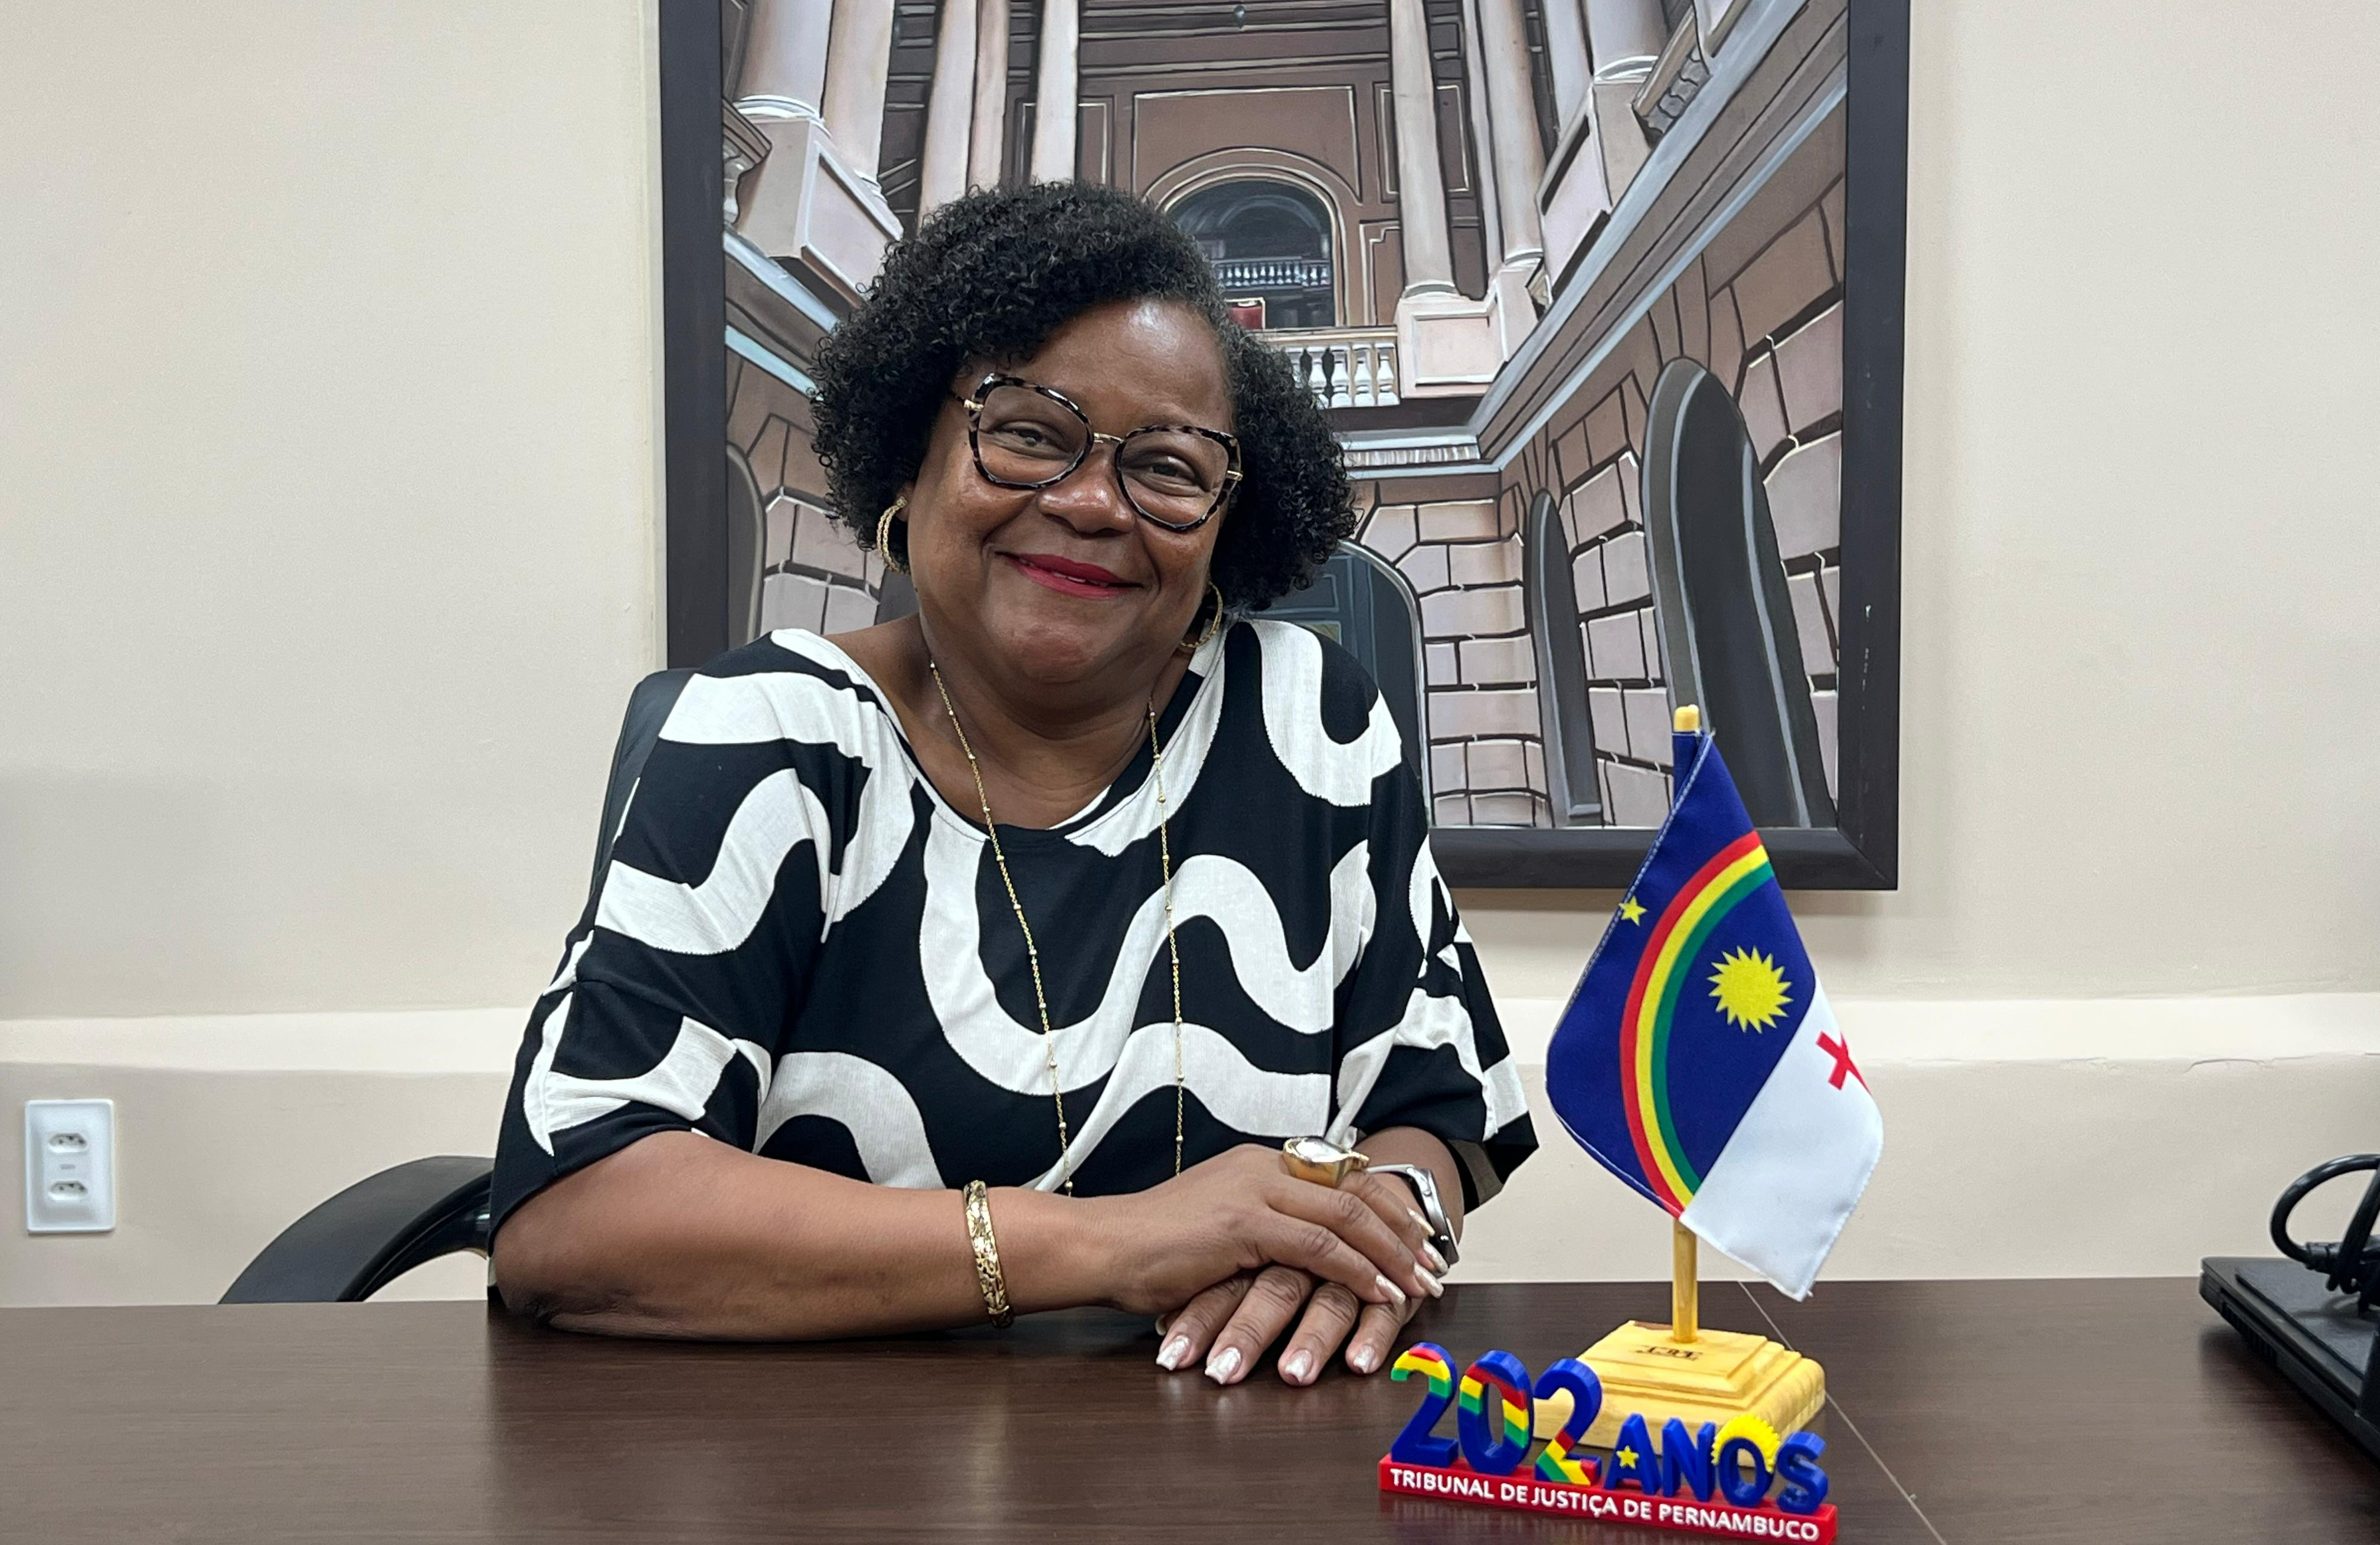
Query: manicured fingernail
x,y
1175,1350
1435,1288
1419,1222
1363,1359
1223,1364
1428,1253
1299,1367
1395,1293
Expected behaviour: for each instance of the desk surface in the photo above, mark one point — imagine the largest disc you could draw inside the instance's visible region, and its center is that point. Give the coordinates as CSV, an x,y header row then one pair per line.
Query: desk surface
x,y
2101,1411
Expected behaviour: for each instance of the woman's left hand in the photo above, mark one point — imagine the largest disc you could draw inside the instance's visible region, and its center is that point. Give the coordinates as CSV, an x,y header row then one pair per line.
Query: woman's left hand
x,y
1232,1323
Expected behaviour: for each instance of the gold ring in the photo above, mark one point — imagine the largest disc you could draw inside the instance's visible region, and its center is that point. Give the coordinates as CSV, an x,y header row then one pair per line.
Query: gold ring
x,y
1320,1159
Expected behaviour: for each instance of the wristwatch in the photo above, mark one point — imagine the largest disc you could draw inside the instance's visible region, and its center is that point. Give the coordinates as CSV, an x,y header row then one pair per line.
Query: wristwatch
x,y
1424,1186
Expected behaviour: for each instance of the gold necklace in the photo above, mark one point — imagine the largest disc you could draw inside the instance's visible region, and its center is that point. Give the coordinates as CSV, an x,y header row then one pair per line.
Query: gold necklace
x,y
1033,955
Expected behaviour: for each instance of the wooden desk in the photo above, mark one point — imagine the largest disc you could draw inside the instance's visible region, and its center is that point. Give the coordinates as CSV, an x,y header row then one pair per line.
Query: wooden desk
x,y
2101,1411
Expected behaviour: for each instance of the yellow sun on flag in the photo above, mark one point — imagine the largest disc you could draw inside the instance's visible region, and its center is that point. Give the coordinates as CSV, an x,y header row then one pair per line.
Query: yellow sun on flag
x,y
1750,989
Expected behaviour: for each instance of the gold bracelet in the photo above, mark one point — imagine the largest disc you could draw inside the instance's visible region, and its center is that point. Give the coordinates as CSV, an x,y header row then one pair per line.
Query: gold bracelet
x,y
986,1254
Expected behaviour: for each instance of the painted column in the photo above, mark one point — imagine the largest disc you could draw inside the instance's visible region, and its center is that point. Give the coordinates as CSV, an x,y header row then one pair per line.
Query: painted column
x,y
987,144
1483,139
785,59
1623,39
1421,188
1512,114
858,62
950,109
1625,33
1055,87
814,195
1566,59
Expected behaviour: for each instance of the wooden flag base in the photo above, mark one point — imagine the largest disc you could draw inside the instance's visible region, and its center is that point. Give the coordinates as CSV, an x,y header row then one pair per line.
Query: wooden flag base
x,y
1717,1377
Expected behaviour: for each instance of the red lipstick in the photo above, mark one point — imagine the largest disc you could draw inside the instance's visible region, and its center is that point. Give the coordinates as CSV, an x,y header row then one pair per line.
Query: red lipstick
x,y
1069,576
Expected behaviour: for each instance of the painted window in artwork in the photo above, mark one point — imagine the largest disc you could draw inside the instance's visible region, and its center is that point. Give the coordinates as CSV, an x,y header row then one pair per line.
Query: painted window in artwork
x,y
1727,616
1270,243
1561,672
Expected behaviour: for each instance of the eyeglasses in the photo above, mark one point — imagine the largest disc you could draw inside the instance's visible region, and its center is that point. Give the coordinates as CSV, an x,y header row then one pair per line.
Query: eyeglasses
x,y
1175,476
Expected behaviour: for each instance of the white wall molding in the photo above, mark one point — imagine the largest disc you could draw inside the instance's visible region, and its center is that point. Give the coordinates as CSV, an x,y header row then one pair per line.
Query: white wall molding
x,y
460,1040
2022,1136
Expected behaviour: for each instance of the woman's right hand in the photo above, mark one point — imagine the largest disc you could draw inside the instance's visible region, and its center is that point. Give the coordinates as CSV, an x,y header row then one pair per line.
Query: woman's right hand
x,y
1241,1212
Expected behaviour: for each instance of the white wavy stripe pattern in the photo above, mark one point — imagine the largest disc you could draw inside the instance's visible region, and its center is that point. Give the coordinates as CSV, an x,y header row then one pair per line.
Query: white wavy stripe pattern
x,y
791,705
550,1029
1340,772
778,814
1425,884
681,1083
886,1129
1430,1021
568,975
1235,1091
866,1100
1012,1054
1135,817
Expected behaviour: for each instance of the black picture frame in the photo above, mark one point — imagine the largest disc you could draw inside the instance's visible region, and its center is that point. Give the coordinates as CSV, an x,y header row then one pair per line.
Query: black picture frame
x,y
1859,851
694,328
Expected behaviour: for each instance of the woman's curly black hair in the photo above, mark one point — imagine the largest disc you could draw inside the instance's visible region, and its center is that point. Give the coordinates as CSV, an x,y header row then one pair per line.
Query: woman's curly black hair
x,y
990,276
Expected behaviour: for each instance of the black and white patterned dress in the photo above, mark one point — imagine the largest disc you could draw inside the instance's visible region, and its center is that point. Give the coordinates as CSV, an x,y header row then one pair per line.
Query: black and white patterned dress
x,y
801,949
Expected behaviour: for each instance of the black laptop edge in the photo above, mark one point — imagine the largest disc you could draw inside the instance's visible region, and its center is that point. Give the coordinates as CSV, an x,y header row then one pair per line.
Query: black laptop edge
x,y
2348,1395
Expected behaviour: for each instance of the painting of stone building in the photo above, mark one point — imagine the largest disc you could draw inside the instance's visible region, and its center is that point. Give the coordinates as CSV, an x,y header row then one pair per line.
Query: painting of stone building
x,y
1568,275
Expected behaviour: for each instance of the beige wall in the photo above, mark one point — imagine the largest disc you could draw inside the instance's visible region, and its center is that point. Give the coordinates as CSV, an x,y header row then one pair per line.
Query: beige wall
x,y
327,490
326,553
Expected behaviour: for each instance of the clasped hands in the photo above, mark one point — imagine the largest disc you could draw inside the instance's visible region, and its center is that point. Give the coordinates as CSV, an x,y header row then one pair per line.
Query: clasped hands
x,y
1231,1251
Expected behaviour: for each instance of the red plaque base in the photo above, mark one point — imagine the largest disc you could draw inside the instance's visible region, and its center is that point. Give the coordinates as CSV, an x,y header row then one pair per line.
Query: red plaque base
x,y
1681,1514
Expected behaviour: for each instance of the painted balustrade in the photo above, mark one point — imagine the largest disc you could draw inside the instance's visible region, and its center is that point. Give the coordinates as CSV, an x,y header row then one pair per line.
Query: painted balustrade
x,y
1343,366
1247,273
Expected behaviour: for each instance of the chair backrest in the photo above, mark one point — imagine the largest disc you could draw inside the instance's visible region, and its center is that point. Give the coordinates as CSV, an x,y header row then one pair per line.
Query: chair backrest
x,y
374,1232
649,709
385,1225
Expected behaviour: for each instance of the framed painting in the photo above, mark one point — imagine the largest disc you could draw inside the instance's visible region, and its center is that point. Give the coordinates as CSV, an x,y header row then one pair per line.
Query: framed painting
x,y
1602,297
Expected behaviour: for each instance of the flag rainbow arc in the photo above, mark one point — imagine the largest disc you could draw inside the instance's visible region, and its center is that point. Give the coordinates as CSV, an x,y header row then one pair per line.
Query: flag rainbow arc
x,y
1701,904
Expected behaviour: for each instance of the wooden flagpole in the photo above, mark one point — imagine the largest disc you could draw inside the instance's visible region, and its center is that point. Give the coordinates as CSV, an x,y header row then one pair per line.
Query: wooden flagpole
x,y
1685,1286
1685,1276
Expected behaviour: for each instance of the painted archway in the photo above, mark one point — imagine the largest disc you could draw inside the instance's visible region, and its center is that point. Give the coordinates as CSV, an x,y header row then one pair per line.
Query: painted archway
x,y
1257,163
1728,637
1272,241
1571,788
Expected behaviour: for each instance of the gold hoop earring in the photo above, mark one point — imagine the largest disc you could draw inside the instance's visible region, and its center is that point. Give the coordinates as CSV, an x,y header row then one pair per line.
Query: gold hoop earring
x,y
885,535
1192,646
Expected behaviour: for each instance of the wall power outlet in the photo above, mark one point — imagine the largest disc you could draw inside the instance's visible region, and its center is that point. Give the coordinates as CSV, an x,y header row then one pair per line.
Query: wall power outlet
x,y
70,1167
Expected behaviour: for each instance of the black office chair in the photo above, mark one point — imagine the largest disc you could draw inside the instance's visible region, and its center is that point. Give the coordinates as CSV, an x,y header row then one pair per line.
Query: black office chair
x,y
380,1228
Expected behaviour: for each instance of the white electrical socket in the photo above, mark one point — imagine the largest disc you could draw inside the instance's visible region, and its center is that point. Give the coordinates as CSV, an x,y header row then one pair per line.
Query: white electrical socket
x,y
70,1167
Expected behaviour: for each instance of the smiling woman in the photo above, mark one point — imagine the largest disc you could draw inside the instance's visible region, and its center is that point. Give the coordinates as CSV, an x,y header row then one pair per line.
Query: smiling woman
x,y
1001,948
